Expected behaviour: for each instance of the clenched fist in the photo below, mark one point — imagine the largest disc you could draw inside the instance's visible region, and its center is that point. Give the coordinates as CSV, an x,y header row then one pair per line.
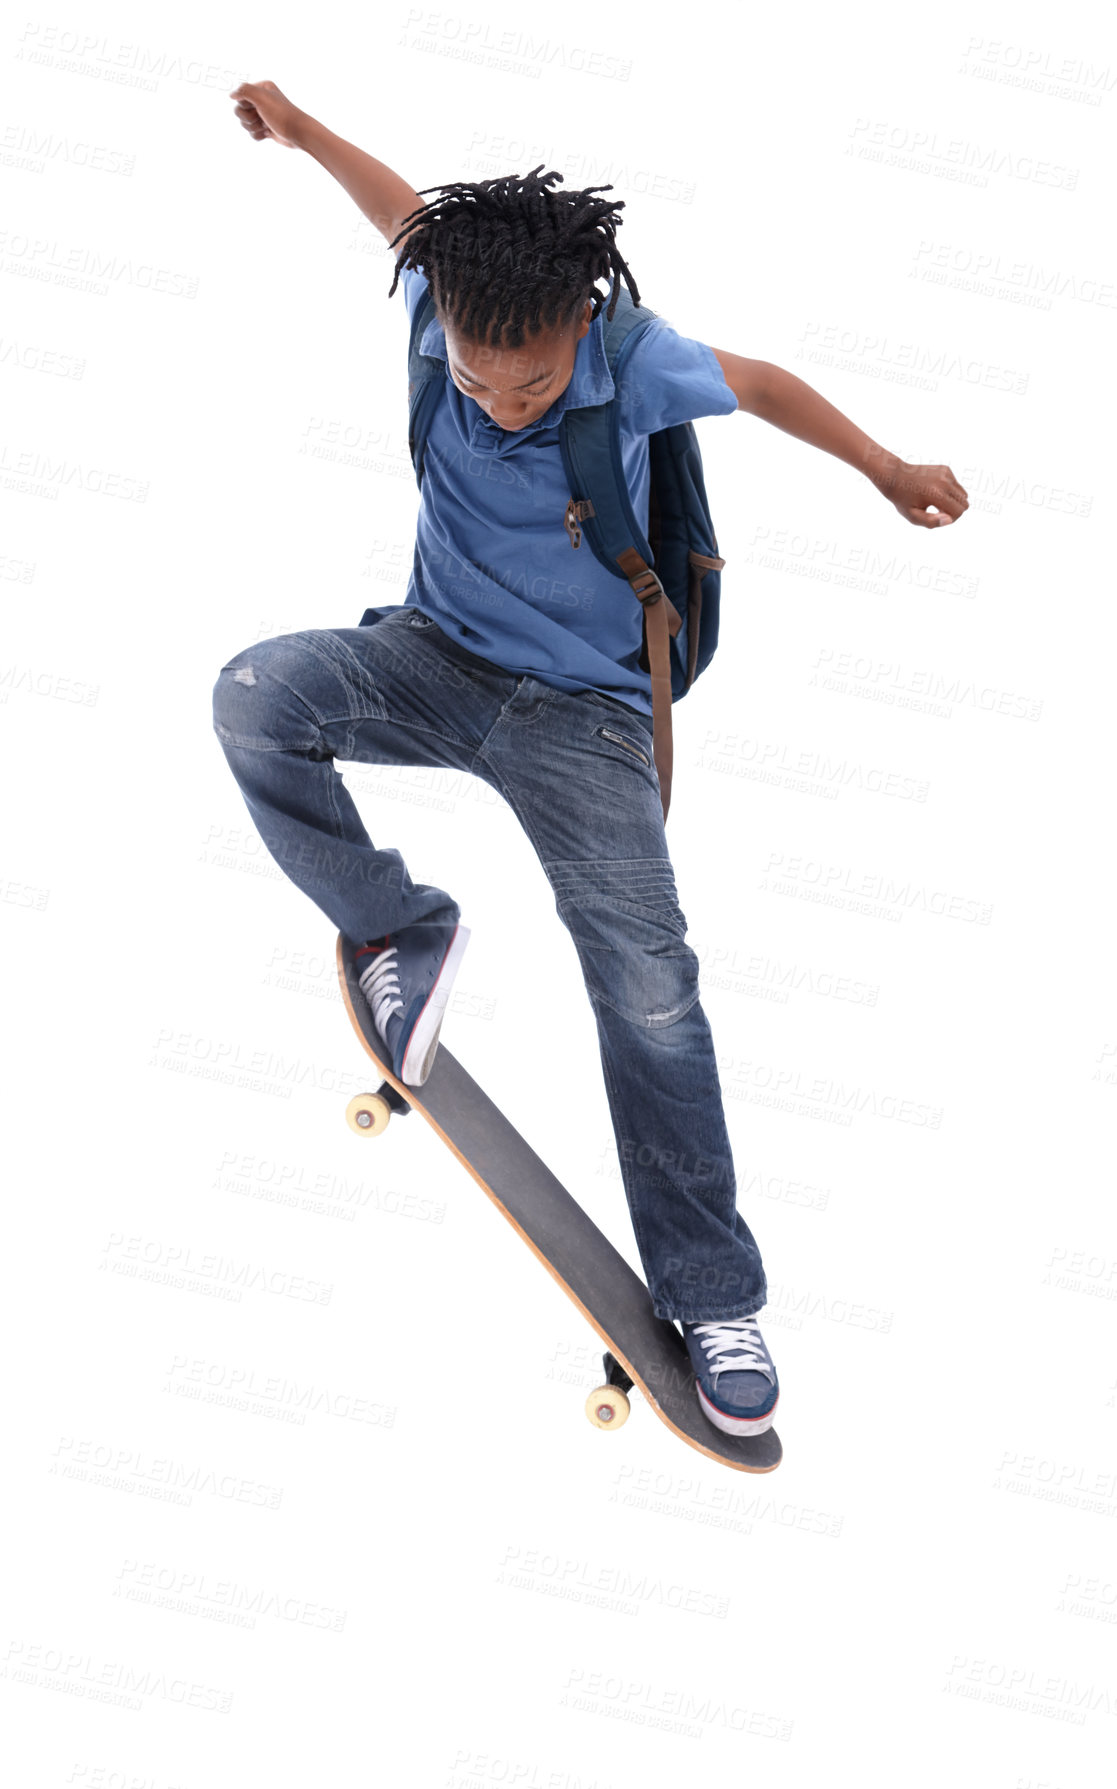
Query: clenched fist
x,y
266,112
929,496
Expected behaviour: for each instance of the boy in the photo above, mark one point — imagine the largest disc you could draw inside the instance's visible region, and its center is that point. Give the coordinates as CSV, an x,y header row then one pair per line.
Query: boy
x,y
501,664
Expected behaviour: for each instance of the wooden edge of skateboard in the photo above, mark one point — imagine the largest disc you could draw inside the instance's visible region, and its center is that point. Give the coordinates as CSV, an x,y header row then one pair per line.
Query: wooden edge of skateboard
x,y
411,1096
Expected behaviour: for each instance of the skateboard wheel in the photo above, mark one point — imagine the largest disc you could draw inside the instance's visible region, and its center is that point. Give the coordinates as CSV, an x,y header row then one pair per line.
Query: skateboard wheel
x,y
367,1114
607,1407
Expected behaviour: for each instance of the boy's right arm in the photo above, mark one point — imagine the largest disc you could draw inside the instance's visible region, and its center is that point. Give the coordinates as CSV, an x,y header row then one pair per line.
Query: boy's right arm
x,y
384,196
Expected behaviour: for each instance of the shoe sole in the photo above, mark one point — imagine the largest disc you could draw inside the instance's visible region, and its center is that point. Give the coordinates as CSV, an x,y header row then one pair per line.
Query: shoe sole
x,y
736,1425
423,1042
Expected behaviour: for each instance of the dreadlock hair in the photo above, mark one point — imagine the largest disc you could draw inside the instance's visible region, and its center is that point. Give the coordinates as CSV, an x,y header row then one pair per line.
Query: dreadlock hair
x,y
507,255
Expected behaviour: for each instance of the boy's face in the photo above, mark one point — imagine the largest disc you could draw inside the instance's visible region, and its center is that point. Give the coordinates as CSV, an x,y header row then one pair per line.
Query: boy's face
x,y
516,385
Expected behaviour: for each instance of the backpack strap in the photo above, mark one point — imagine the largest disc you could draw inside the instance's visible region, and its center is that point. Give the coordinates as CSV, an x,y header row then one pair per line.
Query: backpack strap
x,y
589,437
661,621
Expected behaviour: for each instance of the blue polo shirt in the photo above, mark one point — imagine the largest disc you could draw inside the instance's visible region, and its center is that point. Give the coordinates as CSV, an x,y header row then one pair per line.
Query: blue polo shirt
x,y
493,562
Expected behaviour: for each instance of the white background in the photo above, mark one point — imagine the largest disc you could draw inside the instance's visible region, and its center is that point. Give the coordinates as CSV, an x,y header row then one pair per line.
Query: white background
x,y
299,1486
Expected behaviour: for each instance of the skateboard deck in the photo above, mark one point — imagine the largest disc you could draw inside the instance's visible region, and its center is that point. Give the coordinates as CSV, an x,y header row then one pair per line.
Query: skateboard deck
x,y
642,1349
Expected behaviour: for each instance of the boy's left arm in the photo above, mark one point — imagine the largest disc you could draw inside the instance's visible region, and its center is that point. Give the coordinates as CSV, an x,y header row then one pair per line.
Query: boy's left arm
x,y
778,397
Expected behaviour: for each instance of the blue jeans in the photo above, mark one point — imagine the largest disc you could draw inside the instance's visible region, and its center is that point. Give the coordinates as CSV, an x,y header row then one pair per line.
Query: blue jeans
x,y
578,772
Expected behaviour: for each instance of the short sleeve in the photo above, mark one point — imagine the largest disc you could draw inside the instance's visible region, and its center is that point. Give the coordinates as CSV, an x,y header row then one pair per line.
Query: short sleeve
x,y
671,378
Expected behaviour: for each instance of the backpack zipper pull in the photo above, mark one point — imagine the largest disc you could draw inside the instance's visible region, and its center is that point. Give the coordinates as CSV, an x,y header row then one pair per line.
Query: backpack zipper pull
x,y
575,510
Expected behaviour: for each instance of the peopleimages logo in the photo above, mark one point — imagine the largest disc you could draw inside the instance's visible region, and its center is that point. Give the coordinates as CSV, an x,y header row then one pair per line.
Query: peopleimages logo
x,y
784,873
1037,70
994,275
952,158
511,51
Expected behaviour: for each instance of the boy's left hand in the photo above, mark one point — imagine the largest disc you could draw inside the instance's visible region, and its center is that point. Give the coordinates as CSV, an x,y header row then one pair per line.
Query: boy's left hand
x,y
914,489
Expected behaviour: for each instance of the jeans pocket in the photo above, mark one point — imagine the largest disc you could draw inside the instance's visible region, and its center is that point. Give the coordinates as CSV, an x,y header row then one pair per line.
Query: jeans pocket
x,y
633,742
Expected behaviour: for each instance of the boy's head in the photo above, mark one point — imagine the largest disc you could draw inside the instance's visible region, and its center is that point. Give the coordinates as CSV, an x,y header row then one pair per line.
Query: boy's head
x,y
512,267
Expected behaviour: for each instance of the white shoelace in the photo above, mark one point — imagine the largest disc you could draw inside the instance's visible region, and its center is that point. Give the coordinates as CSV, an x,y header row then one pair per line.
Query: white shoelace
x,y
379,983
734,1346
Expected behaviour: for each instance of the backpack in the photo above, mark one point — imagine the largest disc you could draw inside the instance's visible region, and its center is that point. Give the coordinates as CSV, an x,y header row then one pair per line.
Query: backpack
x,y
676,572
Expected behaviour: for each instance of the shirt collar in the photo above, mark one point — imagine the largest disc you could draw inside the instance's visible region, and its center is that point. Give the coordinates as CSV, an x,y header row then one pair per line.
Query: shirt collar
x,y
591,382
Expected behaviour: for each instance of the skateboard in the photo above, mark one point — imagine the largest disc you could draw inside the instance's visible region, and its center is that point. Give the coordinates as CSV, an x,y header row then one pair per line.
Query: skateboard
x,y
641,1348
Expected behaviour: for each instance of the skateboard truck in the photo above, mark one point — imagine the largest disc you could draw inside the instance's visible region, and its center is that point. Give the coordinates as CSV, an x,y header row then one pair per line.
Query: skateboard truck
x,y
368,1113
607,1407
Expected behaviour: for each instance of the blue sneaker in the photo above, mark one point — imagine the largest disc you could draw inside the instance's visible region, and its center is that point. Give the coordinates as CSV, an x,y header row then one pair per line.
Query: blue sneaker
x,y
737,1385
406,978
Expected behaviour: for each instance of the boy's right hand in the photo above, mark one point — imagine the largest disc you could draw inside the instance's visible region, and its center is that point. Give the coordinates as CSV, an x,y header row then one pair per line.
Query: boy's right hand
x,y
266,112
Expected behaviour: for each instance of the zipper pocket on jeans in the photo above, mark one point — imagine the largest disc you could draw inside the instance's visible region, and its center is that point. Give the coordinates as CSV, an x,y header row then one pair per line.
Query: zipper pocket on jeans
x,y
619,739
